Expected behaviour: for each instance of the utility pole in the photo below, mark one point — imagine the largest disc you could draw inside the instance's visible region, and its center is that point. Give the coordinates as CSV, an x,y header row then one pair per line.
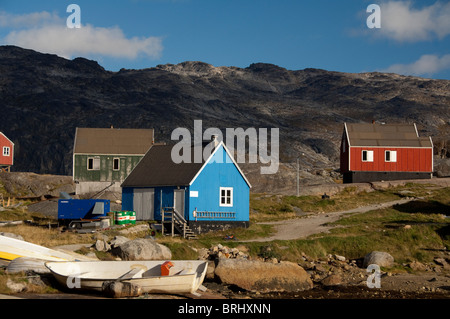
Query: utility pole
x,y
298,178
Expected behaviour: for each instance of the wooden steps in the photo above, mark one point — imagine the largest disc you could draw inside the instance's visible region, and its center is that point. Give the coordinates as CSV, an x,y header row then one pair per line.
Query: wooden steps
x,y
170,216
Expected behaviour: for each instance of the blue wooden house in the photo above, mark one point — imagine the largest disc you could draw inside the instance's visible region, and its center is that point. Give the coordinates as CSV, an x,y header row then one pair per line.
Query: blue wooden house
x,y
197,197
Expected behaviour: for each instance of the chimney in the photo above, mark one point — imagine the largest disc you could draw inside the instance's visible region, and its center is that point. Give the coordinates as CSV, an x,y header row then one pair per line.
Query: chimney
x,y
215,139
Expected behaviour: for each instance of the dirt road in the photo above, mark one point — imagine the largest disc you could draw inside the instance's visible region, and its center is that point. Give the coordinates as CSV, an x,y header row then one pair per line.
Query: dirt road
x,y
315,223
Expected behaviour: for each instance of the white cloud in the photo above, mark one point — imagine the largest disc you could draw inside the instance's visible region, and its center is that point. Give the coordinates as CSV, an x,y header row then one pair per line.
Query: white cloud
x,y
48,33
401,22
28,20
427,64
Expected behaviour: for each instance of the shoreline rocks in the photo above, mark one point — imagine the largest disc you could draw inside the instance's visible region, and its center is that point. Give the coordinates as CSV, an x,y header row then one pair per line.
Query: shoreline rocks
x,y
262,276
380,258
142,249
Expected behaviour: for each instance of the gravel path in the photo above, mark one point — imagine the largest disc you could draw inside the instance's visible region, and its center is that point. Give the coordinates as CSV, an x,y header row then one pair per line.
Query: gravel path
x,y
315,223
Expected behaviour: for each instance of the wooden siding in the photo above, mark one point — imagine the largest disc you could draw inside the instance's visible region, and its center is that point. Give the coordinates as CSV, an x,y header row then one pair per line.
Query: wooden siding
x,y
6,160
344,154
219,172
408,160
106,172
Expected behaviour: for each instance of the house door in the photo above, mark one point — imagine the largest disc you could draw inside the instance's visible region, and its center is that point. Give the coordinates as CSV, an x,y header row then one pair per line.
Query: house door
x,y
178,200
144,203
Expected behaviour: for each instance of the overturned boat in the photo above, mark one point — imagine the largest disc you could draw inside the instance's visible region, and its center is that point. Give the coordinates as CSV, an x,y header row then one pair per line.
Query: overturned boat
x,y
151,276
12,248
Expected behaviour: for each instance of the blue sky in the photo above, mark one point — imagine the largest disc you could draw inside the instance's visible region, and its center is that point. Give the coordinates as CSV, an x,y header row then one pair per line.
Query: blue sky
x,y
414,37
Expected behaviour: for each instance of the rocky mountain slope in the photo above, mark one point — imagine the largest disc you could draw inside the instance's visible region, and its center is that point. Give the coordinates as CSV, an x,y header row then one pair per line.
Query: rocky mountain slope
x,y
43,99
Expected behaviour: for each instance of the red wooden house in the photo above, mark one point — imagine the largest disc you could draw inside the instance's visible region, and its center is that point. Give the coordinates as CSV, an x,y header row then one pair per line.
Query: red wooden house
x,y
375,152
6,152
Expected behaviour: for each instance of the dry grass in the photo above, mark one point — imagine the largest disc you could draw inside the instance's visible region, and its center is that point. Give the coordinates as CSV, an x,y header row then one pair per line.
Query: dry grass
x,y
278,207
48,237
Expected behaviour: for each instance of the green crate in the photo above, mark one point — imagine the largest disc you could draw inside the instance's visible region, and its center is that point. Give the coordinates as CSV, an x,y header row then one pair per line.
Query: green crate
x,y
131,217
121,218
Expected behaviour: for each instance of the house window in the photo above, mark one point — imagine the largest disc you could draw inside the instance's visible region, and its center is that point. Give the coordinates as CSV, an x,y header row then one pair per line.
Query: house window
x,y
93,163
226,196
367,156
116,164
390,156
6,151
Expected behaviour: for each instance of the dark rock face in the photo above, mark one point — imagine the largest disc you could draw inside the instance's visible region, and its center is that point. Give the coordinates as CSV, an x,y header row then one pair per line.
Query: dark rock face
x,y
45,97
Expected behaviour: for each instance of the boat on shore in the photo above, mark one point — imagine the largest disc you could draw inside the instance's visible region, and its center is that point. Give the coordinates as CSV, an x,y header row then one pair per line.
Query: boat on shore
x,y
152,276
11,248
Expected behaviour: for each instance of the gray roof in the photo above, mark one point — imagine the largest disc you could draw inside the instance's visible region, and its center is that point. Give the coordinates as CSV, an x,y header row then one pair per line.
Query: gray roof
x,y
112,141
156,168
385,135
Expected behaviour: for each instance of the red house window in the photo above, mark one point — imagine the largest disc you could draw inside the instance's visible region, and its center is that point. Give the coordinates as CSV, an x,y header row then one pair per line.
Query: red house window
x,y
6,151
367,156
390,156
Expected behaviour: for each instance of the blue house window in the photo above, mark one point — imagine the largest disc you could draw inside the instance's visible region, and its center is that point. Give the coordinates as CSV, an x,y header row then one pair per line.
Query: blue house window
x,y
226,196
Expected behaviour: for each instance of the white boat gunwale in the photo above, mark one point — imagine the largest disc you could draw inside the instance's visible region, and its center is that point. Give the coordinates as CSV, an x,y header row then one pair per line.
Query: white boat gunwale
x,y
174,283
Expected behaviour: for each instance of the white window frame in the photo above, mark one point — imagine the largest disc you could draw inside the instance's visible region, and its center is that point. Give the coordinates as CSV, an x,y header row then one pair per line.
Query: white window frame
x,y
95,160
228,195
118,166
369,156
392,156
6,151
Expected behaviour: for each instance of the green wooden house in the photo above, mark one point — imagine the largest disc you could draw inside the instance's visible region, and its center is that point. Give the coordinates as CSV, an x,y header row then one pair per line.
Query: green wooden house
x,y
103,157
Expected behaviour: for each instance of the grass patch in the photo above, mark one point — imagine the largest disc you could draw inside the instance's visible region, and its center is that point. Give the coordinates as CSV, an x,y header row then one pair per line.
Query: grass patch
x,y
31,286
279,207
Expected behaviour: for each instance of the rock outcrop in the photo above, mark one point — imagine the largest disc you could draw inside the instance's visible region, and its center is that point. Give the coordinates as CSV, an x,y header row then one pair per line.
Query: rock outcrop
x,y
142,249
263,276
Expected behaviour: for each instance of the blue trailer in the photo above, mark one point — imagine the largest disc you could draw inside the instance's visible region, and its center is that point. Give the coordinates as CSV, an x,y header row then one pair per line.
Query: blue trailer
x,y
76,213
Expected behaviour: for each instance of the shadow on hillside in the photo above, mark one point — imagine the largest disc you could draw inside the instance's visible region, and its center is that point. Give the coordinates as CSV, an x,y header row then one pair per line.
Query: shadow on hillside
x,y
444,232
424,207
427,207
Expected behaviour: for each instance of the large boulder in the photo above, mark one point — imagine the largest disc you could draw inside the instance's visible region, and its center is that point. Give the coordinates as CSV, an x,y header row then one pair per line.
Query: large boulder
x,y
380,258
263,276
27,265
142,249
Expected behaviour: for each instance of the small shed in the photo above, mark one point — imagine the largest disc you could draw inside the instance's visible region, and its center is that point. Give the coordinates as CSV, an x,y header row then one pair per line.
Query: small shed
x,y
7,152
375,152
103,157
213,194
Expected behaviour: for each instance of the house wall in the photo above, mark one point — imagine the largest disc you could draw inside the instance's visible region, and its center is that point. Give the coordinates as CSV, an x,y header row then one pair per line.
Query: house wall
x,y
94,187
6,160
163,198
367,177
106,172
344,154
219,172
408,160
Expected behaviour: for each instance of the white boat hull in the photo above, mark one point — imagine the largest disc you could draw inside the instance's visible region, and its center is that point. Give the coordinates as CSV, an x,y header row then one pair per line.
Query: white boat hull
x,y
11,248
185,277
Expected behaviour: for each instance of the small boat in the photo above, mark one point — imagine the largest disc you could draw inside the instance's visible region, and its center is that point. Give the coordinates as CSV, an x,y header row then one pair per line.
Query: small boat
x,y
11,248
184,277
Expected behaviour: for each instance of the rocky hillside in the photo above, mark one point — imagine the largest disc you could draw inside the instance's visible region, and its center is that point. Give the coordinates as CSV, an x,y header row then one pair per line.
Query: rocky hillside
x,y
44,98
